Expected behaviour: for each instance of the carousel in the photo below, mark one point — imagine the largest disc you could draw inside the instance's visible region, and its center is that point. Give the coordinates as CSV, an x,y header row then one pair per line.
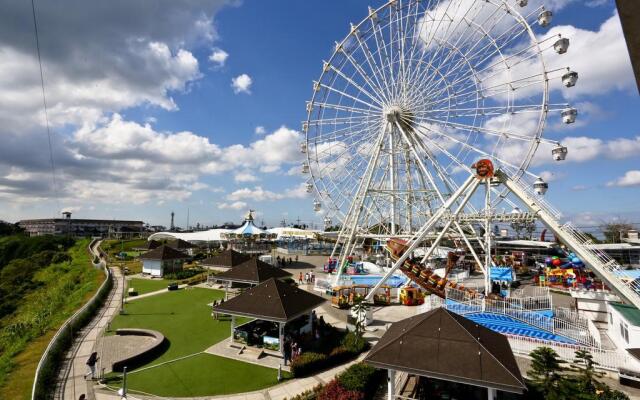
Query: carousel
x,y
249,239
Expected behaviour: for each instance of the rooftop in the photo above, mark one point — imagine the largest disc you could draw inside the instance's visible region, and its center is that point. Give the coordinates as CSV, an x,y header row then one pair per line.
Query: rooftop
x,y
227,258
629,312
164,252
272,300
445,339
252,271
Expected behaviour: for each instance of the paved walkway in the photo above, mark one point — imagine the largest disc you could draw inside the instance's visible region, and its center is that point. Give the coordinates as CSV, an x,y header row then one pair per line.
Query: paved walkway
x,y
74,383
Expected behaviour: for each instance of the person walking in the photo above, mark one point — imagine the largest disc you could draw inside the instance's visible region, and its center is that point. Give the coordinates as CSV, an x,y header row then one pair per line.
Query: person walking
x,y
300,279
91,364
287,351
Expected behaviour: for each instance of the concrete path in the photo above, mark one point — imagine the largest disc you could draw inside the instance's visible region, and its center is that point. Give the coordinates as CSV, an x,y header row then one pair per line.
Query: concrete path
x,y
73,381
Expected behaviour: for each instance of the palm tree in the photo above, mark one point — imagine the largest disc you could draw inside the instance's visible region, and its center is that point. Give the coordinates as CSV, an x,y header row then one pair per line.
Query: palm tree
x,y
585,366
546,374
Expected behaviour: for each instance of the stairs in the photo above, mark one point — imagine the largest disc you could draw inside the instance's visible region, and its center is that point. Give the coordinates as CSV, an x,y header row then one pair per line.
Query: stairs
x,y
607,269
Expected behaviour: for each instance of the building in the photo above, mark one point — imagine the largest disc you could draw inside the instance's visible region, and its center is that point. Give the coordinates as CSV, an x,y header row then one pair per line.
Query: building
x,y
162,260
79,227
624,325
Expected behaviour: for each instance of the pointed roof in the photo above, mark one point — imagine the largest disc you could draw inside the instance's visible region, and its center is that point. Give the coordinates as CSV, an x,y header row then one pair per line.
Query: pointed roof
x,y
252,271
272,300
444,345
164,252
227,258
181,244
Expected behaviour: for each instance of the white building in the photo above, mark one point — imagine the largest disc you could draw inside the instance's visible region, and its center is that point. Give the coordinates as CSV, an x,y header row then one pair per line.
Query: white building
x,y
162,260
624,325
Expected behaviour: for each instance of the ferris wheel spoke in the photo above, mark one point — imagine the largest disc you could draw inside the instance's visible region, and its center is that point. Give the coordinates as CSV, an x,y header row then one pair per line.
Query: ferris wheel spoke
x,y
375,69
380,44
347,95
362,73
339,107
374,98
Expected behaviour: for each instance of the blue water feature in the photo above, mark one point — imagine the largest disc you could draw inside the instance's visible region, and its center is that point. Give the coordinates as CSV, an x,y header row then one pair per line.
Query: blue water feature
x,y
507,325
394,281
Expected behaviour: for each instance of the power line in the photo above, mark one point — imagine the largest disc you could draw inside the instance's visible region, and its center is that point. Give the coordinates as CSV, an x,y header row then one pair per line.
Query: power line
x,y
46,111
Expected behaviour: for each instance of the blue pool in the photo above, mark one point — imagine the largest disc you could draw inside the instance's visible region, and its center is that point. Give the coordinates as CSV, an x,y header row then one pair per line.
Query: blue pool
x,y
395,281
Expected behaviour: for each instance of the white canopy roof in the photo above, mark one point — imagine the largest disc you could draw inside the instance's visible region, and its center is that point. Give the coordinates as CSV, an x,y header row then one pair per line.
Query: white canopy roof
x,y
285,233
212,235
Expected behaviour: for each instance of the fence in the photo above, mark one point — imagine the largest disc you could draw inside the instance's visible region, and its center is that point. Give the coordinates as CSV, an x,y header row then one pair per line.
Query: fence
x,y
523,309
51,360
609,360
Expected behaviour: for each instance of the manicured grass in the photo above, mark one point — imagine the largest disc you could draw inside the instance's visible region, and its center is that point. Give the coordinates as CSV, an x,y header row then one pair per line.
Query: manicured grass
x,y
202,375
184,317
143,286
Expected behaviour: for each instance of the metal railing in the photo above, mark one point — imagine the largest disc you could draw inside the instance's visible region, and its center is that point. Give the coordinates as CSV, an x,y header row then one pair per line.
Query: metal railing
x,y
40,389
609,360
576,329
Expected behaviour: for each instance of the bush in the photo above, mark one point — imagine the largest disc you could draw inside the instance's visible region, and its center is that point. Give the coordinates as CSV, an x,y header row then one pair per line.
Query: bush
x,y
361,378
307,363
354,343
334,391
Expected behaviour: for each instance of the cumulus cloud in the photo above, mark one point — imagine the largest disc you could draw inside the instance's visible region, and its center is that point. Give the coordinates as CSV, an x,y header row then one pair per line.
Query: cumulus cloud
x,y
236,205
630,178
218,57
258,194
260,130
244,176
242,84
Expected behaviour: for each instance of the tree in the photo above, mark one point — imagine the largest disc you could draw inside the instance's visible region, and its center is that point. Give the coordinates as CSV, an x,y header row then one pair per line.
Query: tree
x,y
546,375
614,231
584,365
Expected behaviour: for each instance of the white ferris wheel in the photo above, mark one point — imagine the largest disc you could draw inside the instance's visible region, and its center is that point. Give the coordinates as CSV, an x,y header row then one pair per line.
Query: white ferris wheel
x,y
415,94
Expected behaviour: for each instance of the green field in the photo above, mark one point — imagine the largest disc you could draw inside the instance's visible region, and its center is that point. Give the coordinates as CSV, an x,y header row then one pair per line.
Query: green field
x,y
143,286
184,317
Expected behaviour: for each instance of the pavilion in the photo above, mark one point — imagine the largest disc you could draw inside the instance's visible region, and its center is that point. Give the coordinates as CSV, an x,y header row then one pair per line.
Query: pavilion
x,y
448,348
250,273
276,308
225,260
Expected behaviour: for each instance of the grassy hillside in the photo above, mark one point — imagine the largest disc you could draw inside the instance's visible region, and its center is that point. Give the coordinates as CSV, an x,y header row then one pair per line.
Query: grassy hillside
x,y
43,280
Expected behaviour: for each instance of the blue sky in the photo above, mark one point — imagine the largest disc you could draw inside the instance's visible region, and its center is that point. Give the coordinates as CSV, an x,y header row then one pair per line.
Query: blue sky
x,y
163,77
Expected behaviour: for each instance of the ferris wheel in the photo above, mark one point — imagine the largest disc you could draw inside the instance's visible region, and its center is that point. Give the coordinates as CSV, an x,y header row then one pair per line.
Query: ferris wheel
x,y
415,93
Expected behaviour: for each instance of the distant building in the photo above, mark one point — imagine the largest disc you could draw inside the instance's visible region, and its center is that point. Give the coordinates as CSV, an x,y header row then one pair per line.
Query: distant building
x,y
162,260
79,227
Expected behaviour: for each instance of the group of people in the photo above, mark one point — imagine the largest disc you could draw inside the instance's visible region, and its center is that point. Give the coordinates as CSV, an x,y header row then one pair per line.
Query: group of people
x,y
213,305
309,277
284,262
291,350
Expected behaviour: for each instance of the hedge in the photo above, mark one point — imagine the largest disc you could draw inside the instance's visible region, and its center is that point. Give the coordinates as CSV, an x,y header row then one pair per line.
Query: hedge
x,y
311,362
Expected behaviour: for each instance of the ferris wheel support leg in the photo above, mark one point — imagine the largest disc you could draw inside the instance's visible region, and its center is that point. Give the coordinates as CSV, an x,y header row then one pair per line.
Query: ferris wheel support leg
x,y
359,202
419,236
470,247
446,227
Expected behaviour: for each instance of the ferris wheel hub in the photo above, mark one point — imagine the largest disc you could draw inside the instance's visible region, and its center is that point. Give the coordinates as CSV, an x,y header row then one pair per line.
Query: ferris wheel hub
x,y
400,114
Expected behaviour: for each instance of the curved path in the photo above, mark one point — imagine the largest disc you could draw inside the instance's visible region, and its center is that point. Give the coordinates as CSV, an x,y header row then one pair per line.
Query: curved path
x,y
71,383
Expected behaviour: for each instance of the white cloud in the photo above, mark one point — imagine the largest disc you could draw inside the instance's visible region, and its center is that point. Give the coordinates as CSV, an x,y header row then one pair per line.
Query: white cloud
x,y
242,84
218,57
580,188
236,205
549,176
260,130
245,176
630,178
255,194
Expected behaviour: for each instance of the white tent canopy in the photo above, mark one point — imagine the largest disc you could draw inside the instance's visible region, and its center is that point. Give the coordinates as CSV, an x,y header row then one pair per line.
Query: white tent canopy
x,y
211,235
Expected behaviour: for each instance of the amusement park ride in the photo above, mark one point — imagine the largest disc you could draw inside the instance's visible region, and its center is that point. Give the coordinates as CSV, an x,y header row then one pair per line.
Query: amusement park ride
x,y
423,125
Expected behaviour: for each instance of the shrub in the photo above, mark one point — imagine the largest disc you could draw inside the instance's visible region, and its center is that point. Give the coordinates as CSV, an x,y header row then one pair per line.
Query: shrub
x,y
361,378
307,363
334,391
354,343
340,354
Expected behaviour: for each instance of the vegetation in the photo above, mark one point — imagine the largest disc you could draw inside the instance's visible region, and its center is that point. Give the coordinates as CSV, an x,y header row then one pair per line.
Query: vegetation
x,y
615,231
43,280
143,286
184,317
331,350
550,380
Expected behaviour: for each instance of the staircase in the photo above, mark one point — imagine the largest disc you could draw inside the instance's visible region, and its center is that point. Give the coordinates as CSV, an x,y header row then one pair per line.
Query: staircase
x,y
607,269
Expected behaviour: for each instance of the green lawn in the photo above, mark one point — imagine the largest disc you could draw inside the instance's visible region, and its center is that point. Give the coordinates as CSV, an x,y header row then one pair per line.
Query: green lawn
x,y
184,317
143,286
202,375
